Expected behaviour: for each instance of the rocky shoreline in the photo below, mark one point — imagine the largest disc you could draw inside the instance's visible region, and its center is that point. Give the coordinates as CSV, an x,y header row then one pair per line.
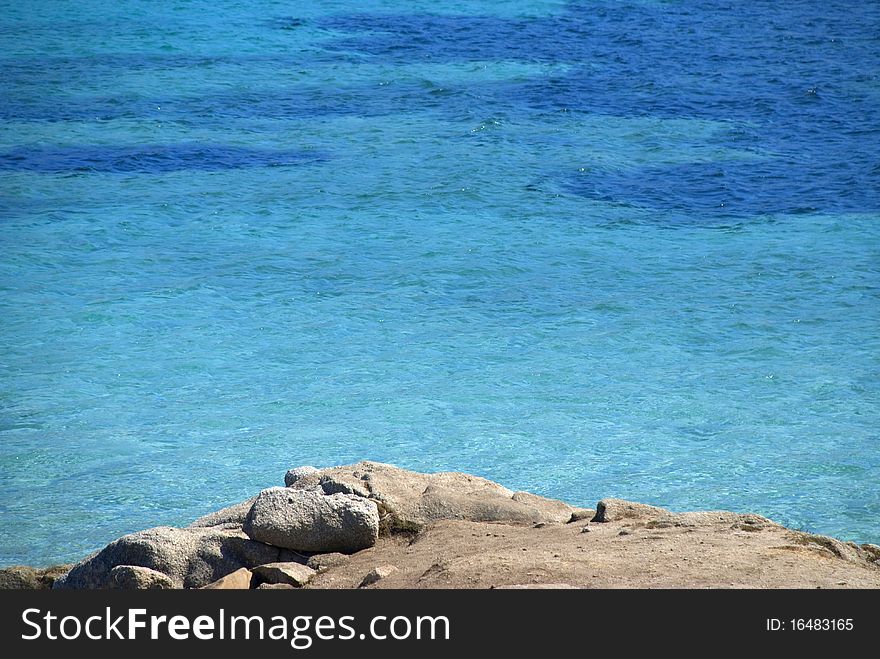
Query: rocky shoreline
x,y
372,525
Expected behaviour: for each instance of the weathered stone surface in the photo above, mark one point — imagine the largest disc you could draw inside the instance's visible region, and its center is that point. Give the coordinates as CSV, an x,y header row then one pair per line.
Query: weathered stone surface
x,y
408,500
613,510
377,574
323,562
134,577
580,514
191,557
238,580
748,522
294,574
551,510
232,515
848,551
311,521
303,478
21,577
275,586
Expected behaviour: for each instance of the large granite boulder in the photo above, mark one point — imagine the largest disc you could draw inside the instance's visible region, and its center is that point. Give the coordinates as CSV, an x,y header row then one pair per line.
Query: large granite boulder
x,y
305,520
408,500
190,557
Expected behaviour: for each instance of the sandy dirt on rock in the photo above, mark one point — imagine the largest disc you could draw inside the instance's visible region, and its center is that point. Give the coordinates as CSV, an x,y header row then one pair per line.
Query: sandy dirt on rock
x,y
630,553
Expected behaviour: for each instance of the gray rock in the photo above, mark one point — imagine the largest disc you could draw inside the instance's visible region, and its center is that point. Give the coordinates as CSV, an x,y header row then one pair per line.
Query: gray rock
x,y
22,577
377,574
323,562
309,521
191,557
305,477
231,516
134,577
294,574
408,500
238,580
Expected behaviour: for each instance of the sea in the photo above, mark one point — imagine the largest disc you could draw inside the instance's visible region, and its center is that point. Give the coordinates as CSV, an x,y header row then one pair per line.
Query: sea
x,y
583,248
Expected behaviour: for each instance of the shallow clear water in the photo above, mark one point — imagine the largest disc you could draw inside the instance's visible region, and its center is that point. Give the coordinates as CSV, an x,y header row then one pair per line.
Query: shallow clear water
x,y
582,248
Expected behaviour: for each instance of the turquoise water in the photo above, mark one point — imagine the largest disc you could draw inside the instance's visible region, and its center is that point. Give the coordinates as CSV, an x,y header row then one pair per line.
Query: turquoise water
x,y
586,249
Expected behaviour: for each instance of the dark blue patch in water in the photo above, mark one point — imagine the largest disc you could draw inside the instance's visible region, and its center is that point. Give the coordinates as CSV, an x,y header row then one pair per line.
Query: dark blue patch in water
x,y
296,102
286,22
799,79
147,159
728,189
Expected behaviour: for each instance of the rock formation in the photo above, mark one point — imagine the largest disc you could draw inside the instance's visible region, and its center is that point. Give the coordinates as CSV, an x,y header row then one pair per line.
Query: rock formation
x,y
377,526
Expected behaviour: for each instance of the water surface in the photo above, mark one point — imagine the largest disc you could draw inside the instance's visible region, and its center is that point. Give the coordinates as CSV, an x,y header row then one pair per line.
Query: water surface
x,y
582,248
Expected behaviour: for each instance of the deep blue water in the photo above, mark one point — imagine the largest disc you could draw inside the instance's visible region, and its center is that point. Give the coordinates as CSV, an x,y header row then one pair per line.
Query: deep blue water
x,y
582,248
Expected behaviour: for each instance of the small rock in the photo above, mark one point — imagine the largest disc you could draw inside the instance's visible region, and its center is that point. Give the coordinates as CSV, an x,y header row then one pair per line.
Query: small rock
x,y
295,574
300,474
625,532
377,574
275,586
134,577
310,521
586,529
323,562
238,580
539,525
